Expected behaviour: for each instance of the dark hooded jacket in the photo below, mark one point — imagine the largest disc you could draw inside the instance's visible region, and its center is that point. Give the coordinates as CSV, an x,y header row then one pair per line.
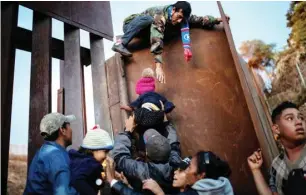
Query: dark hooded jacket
x,y
137,171
85,171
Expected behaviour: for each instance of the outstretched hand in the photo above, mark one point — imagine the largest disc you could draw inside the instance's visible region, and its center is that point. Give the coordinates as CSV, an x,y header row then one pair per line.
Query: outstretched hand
x,y
121,177
227,19
126,108
130,124
110,169
160,75
153,186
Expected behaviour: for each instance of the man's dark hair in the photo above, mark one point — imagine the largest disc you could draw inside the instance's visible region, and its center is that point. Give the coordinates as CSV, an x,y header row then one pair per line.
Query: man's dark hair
x,y
280,108
55,134
185,6
212,165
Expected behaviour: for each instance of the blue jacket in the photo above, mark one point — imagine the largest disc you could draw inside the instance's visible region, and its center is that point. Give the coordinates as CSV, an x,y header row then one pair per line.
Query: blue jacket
x,y
49,171
153,97
85,171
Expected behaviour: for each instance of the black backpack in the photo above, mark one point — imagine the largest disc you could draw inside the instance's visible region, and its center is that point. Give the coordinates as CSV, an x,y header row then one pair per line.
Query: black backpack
x,y
296,183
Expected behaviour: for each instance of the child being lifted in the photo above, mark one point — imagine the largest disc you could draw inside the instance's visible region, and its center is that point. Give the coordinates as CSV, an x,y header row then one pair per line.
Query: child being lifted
x,y
148,98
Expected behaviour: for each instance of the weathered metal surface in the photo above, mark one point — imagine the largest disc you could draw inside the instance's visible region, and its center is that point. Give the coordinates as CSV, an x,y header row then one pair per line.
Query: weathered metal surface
x,y
24,42
114,94
62,64
112,81
211,111
40,85
73,83
99,83
256,109
61,100
9,13
123,94
92,16
61,90
117,123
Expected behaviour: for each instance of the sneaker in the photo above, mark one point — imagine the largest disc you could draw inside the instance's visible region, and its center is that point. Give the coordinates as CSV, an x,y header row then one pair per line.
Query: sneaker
x,y
122,50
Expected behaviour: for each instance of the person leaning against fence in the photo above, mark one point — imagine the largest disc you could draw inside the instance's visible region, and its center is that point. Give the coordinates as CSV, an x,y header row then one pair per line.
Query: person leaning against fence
x,y
49,171
288,170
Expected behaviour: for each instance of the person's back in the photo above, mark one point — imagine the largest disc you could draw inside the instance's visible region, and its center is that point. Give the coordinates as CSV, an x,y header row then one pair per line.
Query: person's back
x,y
137,171
49,171
162,152
161,172
50,157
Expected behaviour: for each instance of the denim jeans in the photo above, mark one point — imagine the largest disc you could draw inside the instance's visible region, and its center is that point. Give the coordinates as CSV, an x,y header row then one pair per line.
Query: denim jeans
x,y
134,27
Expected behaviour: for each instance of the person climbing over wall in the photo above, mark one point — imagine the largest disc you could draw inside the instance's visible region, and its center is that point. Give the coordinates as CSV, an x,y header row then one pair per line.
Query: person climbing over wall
x,y
176,17
86,163
49,171
148,98
162,155
288,170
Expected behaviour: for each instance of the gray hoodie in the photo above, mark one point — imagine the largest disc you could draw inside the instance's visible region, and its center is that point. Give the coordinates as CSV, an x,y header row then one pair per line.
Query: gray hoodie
x,y
220,186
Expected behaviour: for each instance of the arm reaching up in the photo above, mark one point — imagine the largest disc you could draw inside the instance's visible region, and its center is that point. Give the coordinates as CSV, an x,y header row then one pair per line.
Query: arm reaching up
x,y
126,108
153,186
255,162
205,21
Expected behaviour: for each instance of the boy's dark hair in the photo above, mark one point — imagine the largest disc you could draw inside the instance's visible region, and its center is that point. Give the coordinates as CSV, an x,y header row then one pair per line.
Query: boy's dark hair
x,y
55,134
212,165
185,6
280,108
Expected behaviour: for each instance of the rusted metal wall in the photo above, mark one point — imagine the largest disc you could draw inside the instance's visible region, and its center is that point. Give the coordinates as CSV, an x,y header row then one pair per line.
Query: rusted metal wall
x,y
9,15
92,16
255,105
211,111
40,84
71,100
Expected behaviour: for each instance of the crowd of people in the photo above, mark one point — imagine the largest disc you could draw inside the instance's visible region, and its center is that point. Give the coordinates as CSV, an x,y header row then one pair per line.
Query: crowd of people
x,y
163,171
145,157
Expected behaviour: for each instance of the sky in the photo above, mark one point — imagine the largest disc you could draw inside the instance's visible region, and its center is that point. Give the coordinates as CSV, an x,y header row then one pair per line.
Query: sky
x,y
249,20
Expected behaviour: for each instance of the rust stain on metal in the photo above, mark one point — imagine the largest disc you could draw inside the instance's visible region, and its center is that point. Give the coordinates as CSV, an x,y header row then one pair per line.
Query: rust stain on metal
x,y
40,85
9,15
73,83
211,111
99,83
256,108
